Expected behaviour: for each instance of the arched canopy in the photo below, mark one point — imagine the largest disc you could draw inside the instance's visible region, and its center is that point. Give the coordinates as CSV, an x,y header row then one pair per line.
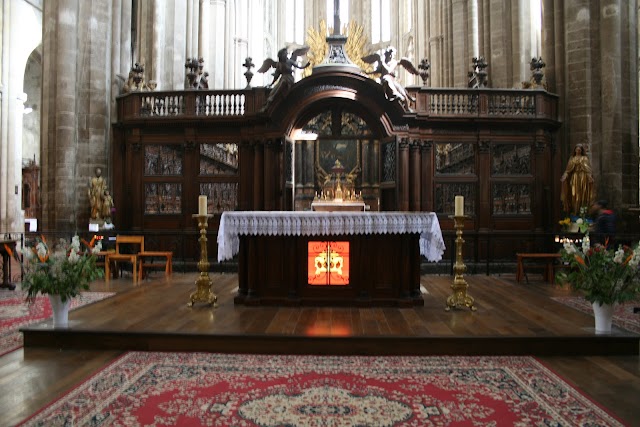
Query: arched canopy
x,y
351,92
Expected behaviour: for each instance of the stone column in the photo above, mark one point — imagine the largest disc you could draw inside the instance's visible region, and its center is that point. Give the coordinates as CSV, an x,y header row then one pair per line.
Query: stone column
x,y
459,35
193,19
216,53
59,108
75,108
17,41
204,49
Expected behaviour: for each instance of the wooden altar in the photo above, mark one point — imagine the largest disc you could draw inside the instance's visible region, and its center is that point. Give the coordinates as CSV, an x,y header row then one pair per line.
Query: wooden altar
x,y
336,258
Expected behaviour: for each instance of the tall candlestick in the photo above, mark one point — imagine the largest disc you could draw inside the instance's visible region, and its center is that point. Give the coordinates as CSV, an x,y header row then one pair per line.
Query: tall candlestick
x,y
202,205
459,207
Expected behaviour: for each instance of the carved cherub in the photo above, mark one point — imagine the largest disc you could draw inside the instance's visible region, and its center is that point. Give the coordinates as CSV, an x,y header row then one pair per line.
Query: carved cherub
x,y
386,67
283,76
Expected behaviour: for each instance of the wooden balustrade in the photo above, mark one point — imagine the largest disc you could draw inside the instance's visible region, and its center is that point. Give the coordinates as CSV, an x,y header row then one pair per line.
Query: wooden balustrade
x,y
432,102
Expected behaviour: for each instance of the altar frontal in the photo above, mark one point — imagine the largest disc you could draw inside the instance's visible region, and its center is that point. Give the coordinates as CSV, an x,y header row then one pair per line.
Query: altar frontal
x,y
334,258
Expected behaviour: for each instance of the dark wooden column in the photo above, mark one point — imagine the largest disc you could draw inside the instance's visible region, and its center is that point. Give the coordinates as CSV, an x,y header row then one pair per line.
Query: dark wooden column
x,y
309,156
278,171
415,187
403,174
270,174
426,201
134,189
191,185
366,163
245,188
258,175
541,185
483,209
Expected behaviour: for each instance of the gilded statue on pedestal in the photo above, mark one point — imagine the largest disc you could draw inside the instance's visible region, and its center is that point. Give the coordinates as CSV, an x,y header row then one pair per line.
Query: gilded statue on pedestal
x,y
577,182
100,200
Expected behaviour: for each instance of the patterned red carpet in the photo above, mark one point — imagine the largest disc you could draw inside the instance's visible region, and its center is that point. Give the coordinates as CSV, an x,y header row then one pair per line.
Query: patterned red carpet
x,y
198,389
623,315
15,313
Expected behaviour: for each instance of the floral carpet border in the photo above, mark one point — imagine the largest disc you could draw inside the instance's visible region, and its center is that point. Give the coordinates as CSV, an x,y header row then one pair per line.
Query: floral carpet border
x,y
199,389
16,313
623,315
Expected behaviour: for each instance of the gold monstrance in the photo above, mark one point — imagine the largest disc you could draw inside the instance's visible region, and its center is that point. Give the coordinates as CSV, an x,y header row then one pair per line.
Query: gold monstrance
x,y
203,291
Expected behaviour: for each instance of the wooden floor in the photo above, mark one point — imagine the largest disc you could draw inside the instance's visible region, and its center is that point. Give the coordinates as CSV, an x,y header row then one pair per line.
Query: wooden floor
x,y
510,319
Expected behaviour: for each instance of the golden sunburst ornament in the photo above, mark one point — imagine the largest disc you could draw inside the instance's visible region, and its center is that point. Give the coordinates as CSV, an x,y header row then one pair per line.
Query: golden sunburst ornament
x,y
318,47
355,45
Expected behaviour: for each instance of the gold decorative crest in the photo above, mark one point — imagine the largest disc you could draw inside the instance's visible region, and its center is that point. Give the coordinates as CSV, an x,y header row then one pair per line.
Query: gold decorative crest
x,y
318,47
355,45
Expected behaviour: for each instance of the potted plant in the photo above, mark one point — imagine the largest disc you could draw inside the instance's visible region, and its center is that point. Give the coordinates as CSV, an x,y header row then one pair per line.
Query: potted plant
x,y
605,276
61,272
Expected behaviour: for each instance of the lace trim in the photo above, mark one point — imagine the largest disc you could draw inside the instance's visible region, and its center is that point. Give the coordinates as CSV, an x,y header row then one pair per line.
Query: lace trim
x,y
283,223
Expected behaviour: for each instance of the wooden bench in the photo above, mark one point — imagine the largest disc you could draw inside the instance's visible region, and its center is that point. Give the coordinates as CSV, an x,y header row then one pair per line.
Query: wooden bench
x,y
549,260
145,260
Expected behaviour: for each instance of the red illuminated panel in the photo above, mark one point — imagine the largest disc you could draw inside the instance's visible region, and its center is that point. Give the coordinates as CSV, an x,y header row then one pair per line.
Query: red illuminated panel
x,y
328,263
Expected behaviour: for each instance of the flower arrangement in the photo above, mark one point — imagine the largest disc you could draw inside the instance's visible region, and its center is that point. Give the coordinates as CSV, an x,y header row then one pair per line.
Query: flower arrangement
x,y
64,269
605,275
564,223
576,223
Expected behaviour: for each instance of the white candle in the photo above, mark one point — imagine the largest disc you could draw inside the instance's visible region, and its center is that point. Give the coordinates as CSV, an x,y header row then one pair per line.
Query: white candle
x,y
459,206
202,205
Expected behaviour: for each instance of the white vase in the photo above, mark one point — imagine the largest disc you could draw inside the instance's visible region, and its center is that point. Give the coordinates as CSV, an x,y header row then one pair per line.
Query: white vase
x,y
604,315
60,311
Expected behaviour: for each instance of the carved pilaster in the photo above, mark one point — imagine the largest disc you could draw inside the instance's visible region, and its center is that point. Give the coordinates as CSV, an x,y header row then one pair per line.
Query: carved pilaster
x,y
415,180
189,146
426,172
404,170
484,147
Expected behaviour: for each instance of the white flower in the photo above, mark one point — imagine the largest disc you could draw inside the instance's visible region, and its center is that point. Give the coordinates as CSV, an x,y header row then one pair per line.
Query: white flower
x,y
579,221
41,249
97,247
569,247
586,244
73,257
75,243
618,257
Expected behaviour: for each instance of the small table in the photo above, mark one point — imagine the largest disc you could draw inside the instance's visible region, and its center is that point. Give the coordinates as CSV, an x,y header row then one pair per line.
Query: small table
x,y
6,263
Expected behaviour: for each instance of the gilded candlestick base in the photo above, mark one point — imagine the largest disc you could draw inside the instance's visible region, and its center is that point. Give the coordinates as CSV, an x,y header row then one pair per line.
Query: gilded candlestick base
x,y
204,284
459,298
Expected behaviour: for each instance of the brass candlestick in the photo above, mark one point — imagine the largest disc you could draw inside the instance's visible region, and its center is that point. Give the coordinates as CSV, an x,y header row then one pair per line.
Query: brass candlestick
x,y
203,291
459,298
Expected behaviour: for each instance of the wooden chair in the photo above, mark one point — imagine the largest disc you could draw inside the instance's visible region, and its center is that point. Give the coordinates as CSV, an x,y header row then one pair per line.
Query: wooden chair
x,y
137,242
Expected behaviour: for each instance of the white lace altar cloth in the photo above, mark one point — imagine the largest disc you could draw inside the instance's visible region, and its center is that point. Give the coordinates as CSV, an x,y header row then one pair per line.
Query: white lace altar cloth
x,y
287,223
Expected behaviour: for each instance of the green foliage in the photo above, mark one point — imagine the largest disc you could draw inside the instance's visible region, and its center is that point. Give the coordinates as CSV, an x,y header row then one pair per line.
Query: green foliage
x,y
604,275
63,270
